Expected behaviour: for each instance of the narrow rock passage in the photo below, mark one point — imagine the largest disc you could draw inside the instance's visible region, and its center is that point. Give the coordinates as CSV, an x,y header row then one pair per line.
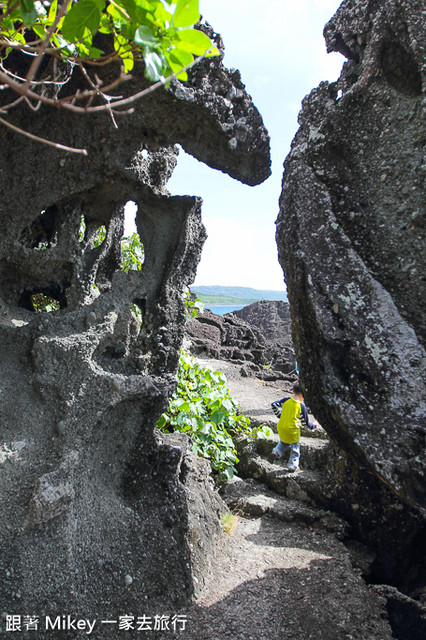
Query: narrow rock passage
x,y
284,572
273,581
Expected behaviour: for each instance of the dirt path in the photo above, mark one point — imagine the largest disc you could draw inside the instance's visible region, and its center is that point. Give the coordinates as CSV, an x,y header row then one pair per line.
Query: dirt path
x,y
274,581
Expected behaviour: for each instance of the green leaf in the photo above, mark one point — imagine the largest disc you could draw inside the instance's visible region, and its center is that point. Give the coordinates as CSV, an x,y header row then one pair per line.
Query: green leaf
x,y
61,43
195,449
228,473
83,51
130,8
206,429
28,11
144,36
123,48
95,53
153,66
217,417
18,37
52,13
228,405
182,420
39,30
162,17
120,43
186,13
209,421
128,62
162,421
194,41
106,26
116,14
85,14
145,5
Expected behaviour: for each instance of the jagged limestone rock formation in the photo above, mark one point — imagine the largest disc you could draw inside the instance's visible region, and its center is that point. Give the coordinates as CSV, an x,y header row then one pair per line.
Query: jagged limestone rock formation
x,y
100,515
272,317
351,241
244,339
225,338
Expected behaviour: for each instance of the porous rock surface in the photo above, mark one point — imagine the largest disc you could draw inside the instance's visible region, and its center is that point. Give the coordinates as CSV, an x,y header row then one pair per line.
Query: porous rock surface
x,y
272,317
351,241
227,338
257,337
100,514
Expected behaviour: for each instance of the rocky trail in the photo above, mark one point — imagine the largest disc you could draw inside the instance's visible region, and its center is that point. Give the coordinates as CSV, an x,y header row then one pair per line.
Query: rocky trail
x,y
288,570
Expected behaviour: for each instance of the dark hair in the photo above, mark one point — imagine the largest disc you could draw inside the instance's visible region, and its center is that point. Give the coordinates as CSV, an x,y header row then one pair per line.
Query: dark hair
x,y
297,388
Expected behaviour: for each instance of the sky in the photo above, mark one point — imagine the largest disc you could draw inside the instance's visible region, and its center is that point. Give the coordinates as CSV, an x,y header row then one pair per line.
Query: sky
x,y
279,49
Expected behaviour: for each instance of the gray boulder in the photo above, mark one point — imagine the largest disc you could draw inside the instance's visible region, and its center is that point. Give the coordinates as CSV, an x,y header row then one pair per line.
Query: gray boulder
x,y
272,318
351,240
227,338
258,337
101,515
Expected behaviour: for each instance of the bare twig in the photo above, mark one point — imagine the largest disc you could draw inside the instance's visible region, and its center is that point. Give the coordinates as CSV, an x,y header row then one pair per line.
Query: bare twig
x,y
31,106
27,48
99,93
8,79
43,140
27,94
152,88
36,62
4,108
65,104
111,113
75,96
35,83
84,94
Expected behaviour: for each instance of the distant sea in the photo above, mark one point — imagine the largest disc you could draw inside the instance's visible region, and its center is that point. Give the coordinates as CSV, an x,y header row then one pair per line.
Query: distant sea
x,y
221,309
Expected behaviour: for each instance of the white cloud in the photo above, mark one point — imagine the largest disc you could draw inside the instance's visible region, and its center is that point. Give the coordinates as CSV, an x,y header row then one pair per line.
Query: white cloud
x,y
279,48
239,255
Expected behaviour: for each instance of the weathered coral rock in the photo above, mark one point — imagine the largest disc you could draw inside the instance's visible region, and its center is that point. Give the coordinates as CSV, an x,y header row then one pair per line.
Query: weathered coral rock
x,y
351,238
226,338
234,338
98,513
272,317
54,492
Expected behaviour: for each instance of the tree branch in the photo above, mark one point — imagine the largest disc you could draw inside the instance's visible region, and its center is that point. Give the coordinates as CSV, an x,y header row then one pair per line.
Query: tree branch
x,y
43,140
120,102
27,94
36,62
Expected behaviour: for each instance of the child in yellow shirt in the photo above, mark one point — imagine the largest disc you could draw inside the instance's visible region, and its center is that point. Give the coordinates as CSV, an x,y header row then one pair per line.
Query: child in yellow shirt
x,y
291,411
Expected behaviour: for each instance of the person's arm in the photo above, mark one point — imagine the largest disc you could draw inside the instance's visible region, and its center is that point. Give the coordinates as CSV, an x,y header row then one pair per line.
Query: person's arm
x,y
277,406
304,417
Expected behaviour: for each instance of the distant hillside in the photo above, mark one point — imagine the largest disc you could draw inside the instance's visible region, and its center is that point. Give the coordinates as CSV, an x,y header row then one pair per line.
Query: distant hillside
x,y
235,295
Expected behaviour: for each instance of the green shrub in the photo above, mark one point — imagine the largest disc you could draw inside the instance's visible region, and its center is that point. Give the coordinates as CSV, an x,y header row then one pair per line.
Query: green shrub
x,y
193,306
132,253
202,407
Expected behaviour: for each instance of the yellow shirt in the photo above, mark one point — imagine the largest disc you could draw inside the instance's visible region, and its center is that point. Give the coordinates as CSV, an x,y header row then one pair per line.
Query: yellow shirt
x,y
289,422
